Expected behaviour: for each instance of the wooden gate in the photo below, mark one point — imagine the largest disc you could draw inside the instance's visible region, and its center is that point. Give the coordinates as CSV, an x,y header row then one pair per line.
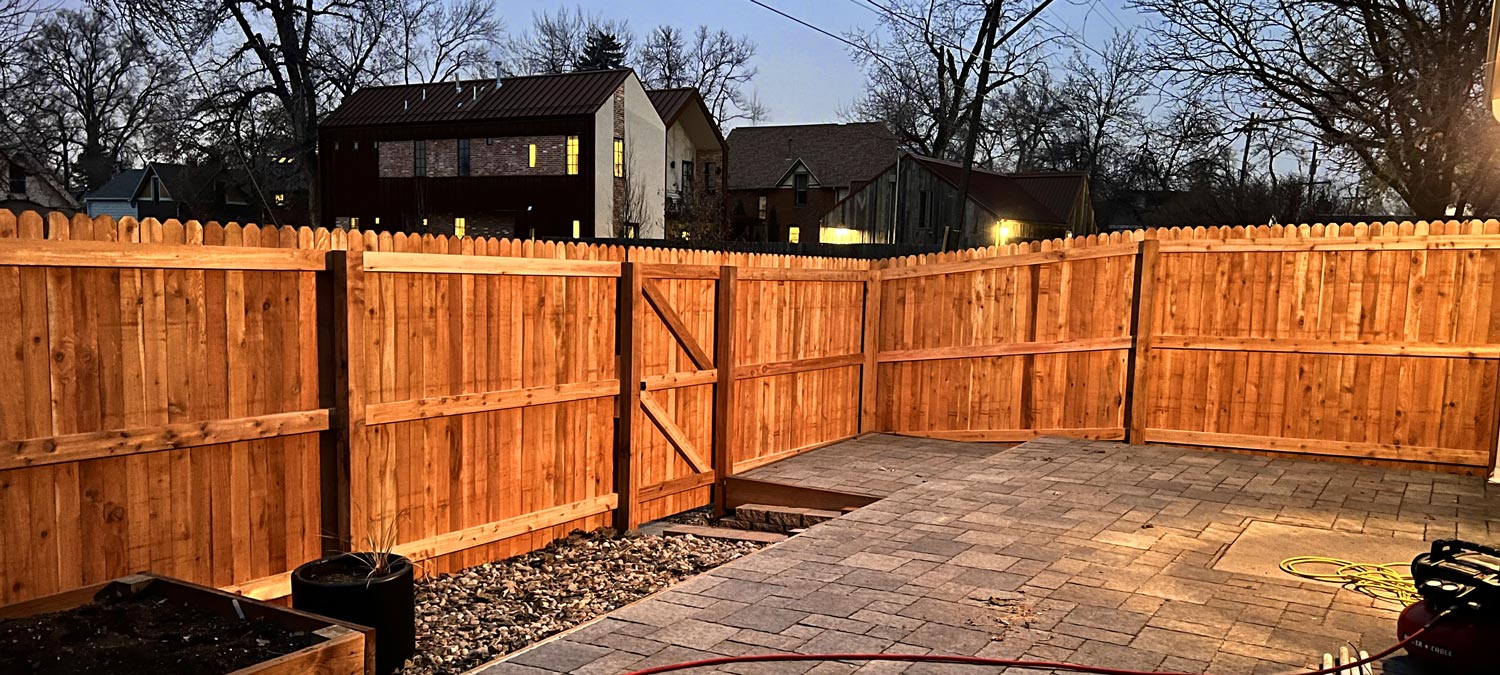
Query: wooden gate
x,y
671,361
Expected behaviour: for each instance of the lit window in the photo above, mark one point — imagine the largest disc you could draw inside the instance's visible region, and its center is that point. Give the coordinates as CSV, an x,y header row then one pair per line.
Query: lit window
x,y
377,220
353,223
280,199
463,156
630,232
619,158
572,155
793,233
459,227
419,158
577,229
532,160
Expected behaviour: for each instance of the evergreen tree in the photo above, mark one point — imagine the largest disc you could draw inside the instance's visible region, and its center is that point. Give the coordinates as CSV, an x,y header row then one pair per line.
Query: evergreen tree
x,y
602,51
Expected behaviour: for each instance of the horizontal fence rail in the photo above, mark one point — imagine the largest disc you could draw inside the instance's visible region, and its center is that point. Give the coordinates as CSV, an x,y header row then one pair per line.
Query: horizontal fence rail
x,y
222,403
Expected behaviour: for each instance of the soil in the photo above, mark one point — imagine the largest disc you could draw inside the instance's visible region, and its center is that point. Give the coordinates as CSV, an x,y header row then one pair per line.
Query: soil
x,y
141,635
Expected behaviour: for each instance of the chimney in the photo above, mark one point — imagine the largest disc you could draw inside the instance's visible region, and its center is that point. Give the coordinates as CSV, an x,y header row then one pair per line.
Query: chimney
x,y
497,73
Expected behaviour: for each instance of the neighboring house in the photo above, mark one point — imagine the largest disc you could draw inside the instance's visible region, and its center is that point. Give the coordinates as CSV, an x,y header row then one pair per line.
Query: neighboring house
x,y
31,187
914,200
696,180
204,192
116,197
577,154
782,179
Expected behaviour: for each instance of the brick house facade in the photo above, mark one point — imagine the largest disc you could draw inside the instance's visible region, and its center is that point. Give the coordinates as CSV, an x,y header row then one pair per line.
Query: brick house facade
x,y
473,141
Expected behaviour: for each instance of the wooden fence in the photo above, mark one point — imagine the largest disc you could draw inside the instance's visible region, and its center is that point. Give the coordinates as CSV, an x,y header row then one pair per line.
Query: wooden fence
x,y
221,403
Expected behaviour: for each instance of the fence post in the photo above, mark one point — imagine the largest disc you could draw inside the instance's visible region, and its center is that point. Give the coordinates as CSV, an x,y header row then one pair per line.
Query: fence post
x,y
871,346
724,385
628,368
341,306
1143,302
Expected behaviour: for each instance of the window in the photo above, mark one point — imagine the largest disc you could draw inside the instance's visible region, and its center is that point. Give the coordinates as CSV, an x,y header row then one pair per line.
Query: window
x,y
531,162
463,156
619,158
17,179
762,208
419,158
572,155
354,223
687,177
799,185
577,229
793,234
155,188
280,199
709,184
460,226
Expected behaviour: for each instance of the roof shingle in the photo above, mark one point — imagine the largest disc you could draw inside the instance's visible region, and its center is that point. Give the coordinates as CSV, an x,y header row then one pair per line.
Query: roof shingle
x,y
837,154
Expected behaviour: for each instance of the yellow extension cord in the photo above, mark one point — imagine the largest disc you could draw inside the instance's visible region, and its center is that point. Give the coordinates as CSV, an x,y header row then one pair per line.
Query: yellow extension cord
x,y
1379,581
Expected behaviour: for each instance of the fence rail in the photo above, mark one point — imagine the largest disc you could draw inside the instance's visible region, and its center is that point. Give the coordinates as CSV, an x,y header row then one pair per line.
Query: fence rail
x,y
221,403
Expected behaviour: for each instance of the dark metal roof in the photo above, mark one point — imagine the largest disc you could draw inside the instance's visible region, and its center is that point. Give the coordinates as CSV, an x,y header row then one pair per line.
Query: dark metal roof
x,y
1030,197
120,187
838,154
469,100
669,103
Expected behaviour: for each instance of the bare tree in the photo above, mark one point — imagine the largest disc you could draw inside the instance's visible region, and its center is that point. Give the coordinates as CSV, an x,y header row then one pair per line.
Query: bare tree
x,y
437,40
1396,88
92,87
714,62
17,27
924,65
556,39
245,51
1102,106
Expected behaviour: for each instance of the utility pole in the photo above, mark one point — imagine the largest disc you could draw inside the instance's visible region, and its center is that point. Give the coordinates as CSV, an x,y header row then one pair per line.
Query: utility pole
x,y
987,30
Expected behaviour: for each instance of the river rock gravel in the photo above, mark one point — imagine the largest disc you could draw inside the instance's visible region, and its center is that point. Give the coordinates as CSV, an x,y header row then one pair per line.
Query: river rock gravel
x,y
481,613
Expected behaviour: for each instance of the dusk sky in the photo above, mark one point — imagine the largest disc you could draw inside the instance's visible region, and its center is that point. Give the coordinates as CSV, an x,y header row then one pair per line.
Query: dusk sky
x,y
804,76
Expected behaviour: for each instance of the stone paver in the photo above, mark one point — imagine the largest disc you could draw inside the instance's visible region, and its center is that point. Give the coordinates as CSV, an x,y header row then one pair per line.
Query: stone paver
x,y
1056,549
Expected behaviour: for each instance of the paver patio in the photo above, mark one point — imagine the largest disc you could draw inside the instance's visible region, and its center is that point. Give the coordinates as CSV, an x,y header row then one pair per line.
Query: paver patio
x,y
1058,549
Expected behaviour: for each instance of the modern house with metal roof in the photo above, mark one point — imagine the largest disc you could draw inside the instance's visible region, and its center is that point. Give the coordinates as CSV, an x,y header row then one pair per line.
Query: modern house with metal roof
x,y
782,179
570,155
914,200
696,180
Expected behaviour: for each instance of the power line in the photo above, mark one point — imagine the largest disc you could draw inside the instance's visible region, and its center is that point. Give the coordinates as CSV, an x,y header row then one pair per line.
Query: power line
x,y
835,36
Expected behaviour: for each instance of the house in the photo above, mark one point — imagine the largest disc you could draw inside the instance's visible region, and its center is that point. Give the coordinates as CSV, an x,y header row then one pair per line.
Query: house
x,y
206,192
914,200
29,186
696,179
116,197
569,155
782,179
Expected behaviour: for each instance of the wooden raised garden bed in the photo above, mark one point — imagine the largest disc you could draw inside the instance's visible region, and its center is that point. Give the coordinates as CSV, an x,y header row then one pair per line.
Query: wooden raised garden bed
x,y
175,627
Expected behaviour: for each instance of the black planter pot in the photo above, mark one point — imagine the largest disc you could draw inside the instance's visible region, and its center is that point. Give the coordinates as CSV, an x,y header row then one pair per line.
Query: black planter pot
x,y
339,587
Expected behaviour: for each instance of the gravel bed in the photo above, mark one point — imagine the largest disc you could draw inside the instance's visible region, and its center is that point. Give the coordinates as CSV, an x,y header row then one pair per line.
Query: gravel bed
x,y
481,613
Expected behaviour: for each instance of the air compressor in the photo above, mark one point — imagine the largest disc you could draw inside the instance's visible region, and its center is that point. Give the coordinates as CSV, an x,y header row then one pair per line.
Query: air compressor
x,y
1459,581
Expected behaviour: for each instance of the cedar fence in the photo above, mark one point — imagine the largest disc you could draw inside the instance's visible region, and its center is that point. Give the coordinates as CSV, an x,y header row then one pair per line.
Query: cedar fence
x,y
222,403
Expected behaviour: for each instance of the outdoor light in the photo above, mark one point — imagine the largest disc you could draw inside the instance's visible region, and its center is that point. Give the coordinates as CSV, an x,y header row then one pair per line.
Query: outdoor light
x,y
1003,230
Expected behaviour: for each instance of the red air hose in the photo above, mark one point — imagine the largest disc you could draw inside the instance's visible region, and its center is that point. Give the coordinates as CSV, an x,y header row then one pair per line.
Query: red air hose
x,y
1007,663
